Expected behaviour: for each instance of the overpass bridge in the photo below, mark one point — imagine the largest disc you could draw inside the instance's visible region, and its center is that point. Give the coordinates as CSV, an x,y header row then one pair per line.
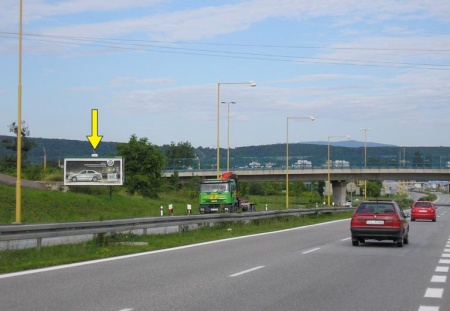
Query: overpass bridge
x,y
321,174
339,177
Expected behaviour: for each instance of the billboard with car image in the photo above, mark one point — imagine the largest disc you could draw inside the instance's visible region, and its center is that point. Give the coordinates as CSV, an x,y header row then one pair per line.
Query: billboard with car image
x,y
93,172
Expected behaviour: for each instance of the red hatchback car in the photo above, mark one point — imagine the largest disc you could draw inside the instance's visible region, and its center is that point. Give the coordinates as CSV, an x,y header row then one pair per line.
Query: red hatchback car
x,y
423,210
379,220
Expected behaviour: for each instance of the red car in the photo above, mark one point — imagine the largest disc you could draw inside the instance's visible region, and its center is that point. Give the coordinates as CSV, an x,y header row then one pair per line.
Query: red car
x,y
379,220
423,210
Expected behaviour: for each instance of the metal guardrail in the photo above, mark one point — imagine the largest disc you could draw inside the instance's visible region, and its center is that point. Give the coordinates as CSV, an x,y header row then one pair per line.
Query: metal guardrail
x,y
51,230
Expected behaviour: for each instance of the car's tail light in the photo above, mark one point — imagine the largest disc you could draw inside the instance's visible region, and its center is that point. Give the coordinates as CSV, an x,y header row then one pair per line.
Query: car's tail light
x,y
396,222
354,221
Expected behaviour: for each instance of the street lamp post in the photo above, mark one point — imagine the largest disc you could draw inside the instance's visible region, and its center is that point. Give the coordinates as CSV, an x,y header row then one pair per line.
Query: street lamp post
x,y
365,159
287,154
228,148
252,84
19,125
328,165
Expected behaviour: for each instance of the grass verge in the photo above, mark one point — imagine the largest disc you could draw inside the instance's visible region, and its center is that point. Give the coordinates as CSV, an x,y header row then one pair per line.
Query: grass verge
x,y
107,246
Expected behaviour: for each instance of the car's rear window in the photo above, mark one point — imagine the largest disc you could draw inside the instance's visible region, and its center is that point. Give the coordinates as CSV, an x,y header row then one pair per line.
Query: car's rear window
x,y
375,208
422,204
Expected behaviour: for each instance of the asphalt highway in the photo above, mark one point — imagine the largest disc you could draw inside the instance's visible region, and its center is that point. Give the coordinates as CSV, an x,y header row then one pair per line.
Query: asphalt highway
x,y
308,268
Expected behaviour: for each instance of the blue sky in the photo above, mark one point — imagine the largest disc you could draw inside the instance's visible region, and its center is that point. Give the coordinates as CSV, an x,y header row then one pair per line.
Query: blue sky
x,y
152,68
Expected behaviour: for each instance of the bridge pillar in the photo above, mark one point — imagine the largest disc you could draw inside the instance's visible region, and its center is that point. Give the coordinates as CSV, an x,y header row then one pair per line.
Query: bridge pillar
x,y
339,191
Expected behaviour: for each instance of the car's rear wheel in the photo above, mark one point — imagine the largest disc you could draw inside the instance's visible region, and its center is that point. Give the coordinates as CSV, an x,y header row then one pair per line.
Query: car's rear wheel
x,y
434,220
94,179
74,179
406,240
400,242
412,219
355,242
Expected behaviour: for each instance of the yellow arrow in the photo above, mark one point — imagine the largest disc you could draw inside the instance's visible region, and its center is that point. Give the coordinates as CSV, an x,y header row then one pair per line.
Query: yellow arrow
x,y
94,139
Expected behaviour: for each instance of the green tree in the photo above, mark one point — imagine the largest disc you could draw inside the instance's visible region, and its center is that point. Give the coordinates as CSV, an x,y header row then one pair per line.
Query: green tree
x,y
11,143
321,188
374,188
144,163
179,155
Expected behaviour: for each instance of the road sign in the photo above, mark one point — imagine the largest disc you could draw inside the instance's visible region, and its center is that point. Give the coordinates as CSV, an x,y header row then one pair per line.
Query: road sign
x,y
351,187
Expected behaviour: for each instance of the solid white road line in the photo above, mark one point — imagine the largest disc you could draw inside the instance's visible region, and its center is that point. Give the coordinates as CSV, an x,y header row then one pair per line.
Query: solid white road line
x,y
444,261
246,271
428,308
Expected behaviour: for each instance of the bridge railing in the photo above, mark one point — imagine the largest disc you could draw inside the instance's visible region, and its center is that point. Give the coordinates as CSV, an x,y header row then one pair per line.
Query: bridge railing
x,y
318,162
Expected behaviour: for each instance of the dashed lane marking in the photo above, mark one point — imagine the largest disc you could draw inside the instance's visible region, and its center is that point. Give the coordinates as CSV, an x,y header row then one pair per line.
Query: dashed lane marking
x,y
246,271
439,279
441,269
434,293
311,250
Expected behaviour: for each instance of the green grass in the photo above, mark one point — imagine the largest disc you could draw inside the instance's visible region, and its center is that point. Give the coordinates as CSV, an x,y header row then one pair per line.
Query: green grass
x,y
40,206
53,206
106,246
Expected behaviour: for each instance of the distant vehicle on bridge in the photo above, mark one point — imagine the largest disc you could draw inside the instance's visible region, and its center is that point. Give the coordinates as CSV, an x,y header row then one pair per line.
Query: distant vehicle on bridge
x,y
270,165
337,164
254,164
302,164
341,163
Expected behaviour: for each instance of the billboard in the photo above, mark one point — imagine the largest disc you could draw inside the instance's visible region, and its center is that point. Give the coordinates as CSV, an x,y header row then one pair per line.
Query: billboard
x,y
93,172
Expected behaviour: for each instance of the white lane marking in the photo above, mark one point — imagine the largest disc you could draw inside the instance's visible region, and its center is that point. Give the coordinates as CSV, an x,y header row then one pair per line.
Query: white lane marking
x,y
439,279
345,239
246,271
127,309
446,255
85,263
428,308
441,269
444,261
447,250
311,250
434,293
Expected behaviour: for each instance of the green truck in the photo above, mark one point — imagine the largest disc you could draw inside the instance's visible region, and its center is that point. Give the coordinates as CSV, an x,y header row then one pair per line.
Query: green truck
x,y
220,196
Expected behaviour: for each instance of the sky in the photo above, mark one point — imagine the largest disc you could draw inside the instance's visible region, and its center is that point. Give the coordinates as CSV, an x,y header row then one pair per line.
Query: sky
x,y
161,69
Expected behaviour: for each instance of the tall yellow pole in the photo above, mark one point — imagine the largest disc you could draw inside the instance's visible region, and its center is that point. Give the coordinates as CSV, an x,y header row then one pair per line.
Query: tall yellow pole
x,y
252,84
19,126
329,179
218,130
228,135
228,139
45,159
365,159
287,162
